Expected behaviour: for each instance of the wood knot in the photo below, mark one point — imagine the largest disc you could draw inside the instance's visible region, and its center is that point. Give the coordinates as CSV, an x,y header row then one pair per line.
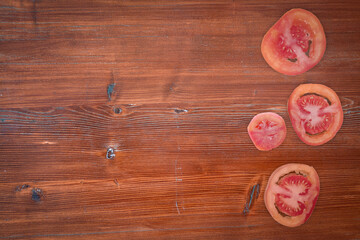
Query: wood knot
x,y
37,194
110,153
178,111
117,110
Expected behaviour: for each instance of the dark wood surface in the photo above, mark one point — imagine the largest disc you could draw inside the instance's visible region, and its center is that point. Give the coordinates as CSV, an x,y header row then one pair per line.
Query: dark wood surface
x,y
171,86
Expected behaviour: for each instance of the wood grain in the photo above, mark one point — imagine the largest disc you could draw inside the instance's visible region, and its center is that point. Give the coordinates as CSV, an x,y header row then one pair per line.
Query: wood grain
x,y
171,86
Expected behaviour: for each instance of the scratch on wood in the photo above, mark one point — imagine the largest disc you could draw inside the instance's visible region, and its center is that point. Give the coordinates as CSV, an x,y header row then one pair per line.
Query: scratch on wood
x,y
176,187
177,207
116,182
34,12
177,179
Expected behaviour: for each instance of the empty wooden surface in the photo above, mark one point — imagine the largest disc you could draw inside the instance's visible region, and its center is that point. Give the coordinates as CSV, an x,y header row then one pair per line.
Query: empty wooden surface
x,y
171,86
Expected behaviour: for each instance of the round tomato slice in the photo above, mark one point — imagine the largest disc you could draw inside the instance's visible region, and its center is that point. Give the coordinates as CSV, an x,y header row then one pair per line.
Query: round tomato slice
x,y
267,131
291,194
295,44
315,113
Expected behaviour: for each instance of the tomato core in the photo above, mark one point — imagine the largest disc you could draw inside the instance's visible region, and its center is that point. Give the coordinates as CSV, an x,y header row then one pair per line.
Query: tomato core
x,y
313,108
289,201
289,43
302,37
266,124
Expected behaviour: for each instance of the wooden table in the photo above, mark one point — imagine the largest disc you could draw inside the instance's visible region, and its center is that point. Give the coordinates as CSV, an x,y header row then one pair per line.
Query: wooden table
x,y
170,86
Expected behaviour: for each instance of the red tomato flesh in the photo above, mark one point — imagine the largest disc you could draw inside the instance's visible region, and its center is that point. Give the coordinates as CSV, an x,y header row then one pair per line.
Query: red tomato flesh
x,y
315,113
295,44
267,131
291,194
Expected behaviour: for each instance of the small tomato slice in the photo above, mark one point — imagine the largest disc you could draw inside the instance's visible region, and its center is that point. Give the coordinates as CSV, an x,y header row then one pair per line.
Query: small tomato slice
x,y
267,131
315,113
291,194
295,44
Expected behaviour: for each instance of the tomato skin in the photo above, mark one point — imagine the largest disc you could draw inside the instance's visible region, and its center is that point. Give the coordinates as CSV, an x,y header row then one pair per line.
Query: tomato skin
x,y
313,194
281,64
259,137
295,115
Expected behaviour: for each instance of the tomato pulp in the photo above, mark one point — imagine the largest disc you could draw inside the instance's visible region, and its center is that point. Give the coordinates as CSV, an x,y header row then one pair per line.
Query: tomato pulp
x,y
295,44
267,131
315,112
291,194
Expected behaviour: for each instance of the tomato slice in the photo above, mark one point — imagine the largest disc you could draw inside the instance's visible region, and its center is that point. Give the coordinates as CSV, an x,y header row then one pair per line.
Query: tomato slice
x,y
315,113
267,131
291,194
295,44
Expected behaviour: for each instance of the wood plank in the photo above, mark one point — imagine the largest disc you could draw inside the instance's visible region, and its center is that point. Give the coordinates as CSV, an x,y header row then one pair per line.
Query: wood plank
x,y
73,141
77,59
129,204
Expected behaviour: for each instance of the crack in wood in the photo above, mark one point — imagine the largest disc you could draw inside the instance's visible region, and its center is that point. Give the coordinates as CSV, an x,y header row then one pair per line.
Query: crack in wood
x,y
254,195
20,188
110,90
